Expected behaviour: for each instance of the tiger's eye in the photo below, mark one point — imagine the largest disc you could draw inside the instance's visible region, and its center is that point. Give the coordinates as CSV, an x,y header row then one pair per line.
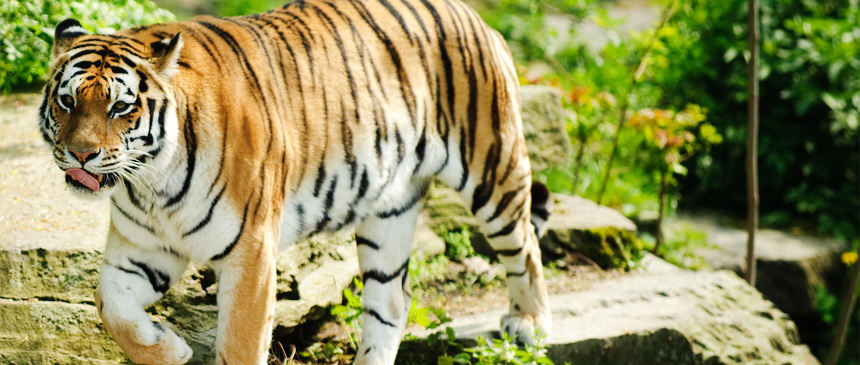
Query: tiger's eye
x,y
120,105
68,101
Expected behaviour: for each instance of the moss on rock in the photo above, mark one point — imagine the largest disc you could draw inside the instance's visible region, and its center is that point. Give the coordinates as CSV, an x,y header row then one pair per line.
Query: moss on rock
x,y
69,276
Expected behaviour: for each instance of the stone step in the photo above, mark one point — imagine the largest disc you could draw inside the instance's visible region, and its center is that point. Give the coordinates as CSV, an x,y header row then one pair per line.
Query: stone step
x,y
663,317
790,267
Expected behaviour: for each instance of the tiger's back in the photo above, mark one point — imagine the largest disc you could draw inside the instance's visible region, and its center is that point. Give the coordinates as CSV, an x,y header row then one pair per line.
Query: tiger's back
x,y
316,116
360,97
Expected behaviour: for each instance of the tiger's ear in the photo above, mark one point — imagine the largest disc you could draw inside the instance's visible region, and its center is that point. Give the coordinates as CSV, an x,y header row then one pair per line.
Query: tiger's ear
x,y
165,55
67,31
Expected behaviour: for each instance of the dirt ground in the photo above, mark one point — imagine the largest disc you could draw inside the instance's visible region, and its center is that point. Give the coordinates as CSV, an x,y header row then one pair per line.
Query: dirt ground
x,y
36,210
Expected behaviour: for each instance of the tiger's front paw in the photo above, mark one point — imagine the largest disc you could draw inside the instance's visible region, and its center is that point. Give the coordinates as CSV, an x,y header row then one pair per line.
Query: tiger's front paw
x,y
153,345
525,327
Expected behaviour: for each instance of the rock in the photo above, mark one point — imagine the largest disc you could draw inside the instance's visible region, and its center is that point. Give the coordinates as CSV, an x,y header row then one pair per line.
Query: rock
x,y
789,267
677,317
311,277
36,332
576,225
426,242
544,127
597,232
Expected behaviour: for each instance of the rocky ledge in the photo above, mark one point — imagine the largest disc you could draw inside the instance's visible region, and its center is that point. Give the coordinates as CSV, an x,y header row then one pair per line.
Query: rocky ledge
x,y
664,316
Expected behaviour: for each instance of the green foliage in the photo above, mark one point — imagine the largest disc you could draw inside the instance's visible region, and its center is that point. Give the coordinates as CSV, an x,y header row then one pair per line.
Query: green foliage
x,y
458,244
350,313
523,23
827,305
810,97
443,341
504,351
423,271
244,7
27,33
681,247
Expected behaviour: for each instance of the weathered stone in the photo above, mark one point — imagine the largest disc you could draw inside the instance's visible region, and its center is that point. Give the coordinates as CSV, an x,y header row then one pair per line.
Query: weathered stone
x,y
426,242
597,232
544,127
69,276
789,267
37,332
667,316
576,225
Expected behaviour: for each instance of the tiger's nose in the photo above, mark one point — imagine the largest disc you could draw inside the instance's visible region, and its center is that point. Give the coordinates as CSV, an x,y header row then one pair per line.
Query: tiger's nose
x,y
84,156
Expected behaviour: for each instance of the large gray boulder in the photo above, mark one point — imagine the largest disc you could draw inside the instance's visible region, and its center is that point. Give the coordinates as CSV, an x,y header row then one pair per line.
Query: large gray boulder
x,y
577,226
664,316
544,127
789,267
599,233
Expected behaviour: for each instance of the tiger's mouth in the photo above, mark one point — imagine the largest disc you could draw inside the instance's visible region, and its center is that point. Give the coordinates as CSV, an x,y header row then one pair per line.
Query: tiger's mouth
x,y
87,180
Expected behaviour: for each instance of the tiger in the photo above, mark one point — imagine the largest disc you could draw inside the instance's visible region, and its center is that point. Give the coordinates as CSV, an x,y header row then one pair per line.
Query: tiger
x,y
218,140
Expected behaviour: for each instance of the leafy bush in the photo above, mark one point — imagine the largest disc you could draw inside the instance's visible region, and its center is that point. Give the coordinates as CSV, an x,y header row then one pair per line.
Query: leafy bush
x,y
27,33
810,106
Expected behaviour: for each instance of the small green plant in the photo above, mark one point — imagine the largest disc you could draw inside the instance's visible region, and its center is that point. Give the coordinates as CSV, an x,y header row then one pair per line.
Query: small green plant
x,y
670,138
458,244
350,313
422,272
503,351
450,351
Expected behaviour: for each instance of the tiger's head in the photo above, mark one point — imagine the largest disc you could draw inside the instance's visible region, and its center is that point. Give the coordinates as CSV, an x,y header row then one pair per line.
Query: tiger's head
x,y
108,110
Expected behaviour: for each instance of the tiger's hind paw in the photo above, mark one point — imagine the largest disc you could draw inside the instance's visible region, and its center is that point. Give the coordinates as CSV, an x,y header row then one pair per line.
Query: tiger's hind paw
x,y
524,327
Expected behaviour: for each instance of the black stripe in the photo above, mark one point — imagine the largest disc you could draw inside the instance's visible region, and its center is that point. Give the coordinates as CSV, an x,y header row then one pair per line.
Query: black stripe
x,y
382,277
359,240
414,199
504,231
159,280
129,271
131,195
376,315
503,203
399,18
132,219
510,274
143,87
405,88
208,217
512,252
230,247
191,147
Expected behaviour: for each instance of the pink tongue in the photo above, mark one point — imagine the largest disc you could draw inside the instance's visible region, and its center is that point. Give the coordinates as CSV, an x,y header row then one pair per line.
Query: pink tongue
x,y
84,178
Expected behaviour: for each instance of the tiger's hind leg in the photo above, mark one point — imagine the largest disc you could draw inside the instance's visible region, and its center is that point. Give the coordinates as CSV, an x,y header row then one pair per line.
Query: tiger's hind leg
x,y
512,230
131,279
384,244
512,212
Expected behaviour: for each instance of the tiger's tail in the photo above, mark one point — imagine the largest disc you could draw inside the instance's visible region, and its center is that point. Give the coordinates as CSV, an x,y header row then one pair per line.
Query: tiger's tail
x,y
542,206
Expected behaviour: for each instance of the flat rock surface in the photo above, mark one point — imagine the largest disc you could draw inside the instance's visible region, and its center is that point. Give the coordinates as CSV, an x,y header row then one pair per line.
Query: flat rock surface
x,y
37,210
789,266
573,212
668,315
731,243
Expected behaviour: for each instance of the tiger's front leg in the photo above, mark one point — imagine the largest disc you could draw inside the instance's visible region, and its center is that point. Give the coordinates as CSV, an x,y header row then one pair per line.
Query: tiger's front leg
x,y
384,245
246,298
132,278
